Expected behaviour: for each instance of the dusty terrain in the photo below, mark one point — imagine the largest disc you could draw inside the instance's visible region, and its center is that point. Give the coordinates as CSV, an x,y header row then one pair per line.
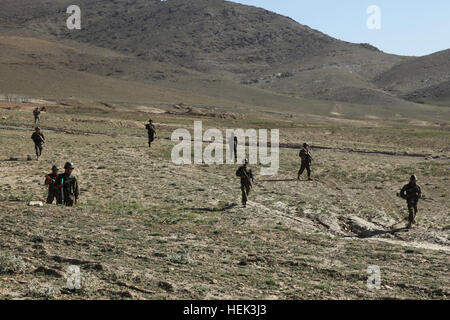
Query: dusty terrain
x,y
148,229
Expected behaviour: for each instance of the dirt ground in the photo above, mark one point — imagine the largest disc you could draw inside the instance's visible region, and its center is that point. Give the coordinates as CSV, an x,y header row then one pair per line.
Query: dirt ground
x,y
146,228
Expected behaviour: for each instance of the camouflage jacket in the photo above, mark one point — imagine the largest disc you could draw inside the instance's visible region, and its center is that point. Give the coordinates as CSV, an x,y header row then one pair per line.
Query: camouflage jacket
x,y
411,191
305,155
70,185
245,174
52,186
38,138
150,129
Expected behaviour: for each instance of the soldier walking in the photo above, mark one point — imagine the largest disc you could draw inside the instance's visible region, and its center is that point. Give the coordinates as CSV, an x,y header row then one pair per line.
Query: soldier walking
x,y
50,180
68,186
247,179
39,140
411,192
151,130
36,113
305,155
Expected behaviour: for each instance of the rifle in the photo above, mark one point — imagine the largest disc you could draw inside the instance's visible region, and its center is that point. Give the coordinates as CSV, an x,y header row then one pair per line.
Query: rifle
x,y
250,181
62,191
42,138
47,178
308,156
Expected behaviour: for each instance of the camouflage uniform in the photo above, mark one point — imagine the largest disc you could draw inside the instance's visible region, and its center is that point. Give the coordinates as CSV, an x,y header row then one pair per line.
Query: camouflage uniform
x,y
306,162
246,176
411,192
39,140
36,114
151,130
70,189
52,187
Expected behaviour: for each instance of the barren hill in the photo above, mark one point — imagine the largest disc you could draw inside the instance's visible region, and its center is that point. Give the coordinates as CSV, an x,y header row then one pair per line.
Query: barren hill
x,y
219,41
424,79
207,35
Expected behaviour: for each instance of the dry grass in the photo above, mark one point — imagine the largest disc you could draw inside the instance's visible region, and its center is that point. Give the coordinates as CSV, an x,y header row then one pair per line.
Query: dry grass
x,y
148,229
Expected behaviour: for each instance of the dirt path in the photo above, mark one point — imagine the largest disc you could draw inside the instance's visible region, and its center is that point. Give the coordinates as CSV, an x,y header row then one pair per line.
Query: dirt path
x,y
414,244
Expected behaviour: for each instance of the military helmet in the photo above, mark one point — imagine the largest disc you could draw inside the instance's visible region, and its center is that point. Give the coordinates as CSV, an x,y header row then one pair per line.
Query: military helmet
x,y
69,165
413,177
55,168
150,120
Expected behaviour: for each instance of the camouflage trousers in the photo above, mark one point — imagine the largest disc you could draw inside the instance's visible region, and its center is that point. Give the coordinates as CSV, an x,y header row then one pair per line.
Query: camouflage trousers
x,y
52,195
412,209
150,140
68,200
305,165
245,188
38,148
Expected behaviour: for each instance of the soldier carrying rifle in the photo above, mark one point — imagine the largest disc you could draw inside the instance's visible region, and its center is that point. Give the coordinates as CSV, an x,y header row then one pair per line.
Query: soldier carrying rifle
x,y
305,155
50,180
247,179
151,132
39,140
68,186
411,192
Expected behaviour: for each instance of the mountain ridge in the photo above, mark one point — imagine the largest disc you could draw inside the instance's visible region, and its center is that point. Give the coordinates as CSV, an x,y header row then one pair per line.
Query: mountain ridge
x,y
225,41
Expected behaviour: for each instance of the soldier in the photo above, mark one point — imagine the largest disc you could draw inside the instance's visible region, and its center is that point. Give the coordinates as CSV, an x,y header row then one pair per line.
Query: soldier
x,y
411,192
246,176
50,180
305,155
151,130
68,186
36,113
39,141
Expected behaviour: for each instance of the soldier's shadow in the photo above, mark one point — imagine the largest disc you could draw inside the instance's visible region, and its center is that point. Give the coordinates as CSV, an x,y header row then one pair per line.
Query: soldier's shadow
x,y
224,208
370,234
278,180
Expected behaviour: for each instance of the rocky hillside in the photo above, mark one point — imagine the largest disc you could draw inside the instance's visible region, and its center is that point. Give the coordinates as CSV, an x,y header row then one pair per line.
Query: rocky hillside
x,y
226,41
423,79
